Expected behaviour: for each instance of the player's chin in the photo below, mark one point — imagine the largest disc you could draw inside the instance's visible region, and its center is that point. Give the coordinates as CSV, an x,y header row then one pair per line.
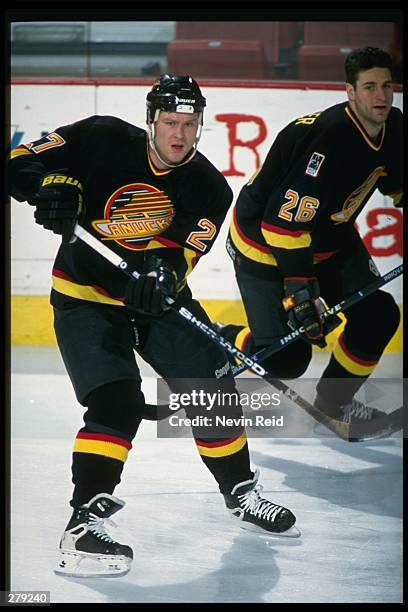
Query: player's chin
x,y
175,159
382,111
177,153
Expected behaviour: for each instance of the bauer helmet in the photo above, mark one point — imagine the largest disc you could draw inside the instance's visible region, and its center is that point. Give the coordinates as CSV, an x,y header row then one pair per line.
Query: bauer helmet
x,y
174,94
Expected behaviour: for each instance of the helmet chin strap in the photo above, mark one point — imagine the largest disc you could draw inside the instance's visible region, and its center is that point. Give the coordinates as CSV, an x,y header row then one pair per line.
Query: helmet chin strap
x,y
152,143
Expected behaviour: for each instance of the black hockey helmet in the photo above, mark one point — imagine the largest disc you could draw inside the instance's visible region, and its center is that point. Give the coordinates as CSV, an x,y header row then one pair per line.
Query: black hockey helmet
x,y
174,94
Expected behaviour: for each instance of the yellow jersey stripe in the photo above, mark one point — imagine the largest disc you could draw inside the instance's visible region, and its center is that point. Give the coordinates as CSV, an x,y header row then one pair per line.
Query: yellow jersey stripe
x,y
82,292
285,241
19,151
250,251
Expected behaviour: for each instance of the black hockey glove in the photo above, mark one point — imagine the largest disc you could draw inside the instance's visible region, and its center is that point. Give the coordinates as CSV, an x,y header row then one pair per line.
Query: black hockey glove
x,y
304,306
148,293
58,203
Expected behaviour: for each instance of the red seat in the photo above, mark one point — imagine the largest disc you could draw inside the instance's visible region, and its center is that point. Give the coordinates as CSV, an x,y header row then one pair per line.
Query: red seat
x,y
371,35
322,62
278,39
267,32
326,44
239,59
325,33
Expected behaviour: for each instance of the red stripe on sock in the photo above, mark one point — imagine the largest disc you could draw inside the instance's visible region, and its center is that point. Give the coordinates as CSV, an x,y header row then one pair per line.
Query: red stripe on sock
x,y
363,362
104,438
217,444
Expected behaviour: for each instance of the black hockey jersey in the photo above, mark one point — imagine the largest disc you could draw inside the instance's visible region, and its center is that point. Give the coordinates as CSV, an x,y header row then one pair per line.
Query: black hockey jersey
x,y
319,173
136,209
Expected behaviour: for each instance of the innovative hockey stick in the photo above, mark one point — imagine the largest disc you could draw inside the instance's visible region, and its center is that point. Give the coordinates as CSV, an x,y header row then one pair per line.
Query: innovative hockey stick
x,y
380,427
183,312
283,341
338,427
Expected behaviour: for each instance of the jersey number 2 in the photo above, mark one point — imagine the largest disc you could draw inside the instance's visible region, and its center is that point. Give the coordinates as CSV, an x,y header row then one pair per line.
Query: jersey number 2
x,y
208,231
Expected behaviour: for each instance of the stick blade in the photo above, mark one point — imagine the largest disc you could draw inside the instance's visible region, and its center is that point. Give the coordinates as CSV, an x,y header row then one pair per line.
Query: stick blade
x,y
377,428
359,432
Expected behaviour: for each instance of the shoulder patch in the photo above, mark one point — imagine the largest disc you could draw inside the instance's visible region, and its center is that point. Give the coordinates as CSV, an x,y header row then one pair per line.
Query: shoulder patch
x,y
314,164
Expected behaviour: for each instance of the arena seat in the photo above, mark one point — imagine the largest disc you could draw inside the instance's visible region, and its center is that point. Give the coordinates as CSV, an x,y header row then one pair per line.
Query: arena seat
x,y
322,62
326,44
277,39
215,58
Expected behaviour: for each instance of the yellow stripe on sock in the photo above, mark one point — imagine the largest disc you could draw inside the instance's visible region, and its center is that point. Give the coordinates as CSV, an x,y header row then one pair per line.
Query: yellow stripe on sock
x,y
98,447
223,449
350,365
241,337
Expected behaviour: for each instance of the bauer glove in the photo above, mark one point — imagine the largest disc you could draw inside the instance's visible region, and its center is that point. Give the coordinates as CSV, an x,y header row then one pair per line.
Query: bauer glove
x,y
304,308
58,203
148,293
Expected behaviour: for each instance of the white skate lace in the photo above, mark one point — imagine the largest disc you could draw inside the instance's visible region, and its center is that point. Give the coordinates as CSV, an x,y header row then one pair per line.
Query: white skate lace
x,y
357,410
261,508
97,526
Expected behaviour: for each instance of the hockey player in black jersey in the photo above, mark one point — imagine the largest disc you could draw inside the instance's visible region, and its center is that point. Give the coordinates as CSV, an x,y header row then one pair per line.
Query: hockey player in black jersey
x,y
294,244
159,203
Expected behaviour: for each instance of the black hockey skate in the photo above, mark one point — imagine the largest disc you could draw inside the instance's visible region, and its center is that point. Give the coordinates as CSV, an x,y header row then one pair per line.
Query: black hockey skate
x,y
258,514
360,422
87,550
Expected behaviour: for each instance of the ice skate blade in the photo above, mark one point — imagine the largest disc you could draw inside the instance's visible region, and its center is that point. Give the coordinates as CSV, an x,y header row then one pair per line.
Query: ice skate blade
x,y
292,532
89,565
57,572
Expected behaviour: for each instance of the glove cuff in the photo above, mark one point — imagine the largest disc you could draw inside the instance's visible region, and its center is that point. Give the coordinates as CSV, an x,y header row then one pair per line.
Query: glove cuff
x,y
56,178
298,289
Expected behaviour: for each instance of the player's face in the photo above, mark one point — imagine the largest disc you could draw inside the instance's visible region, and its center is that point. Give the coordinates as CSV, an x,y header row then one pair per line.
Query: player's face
x,y
371,98
175,134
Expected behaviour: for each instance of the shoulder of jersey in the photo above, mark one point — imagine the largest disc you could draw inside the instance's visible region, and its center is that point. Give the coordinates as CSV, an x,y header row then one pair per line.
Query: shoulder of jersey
x,y
331,116
203,165
205,170
396,115
119,126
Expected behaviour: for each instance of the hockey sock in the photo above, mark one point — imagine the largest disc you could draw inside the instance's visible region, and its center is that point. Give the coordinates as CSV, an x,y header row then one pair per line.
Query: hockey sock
x,y
101,447
359,347
228,460
97,463
238,335
290,362
345,374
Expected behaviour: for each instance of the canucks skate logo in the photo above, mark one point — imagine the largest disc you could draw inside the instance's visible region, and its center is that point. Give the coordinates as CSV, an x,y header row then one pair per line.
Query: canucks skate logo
x,y
358,197
134,214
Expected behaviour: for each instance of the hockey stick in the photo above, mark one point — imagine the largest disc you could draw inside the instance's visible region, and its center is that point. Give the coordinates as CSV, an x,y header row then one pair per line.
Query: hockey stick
x,y
338,427
283,341
380,427
385,426
120,263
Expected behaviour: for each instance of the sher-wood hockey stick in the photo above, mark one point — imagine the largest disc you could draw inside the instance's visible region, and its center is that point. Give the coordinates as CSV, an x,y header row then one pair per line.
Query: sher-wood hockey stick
x,y
338,427
183,312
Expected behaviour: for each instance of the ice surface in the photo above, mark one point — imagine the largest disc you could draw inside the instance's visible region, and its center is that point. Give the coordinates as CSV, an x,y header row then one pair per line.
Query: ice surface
x,y
347,499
